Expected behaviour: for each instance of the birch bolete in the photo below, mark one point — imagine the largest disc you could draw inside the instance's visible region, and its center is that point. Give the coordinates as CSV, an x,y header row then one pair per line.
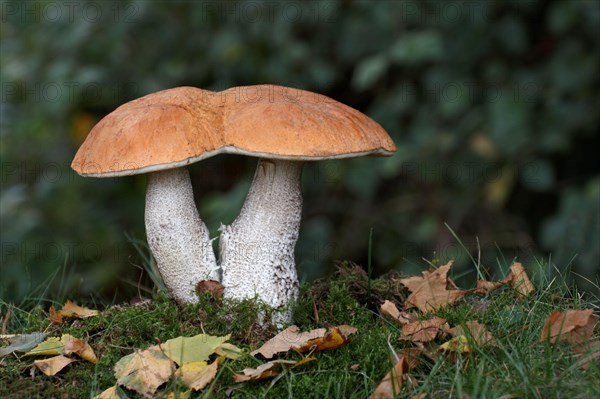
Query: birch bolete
x,y
161,133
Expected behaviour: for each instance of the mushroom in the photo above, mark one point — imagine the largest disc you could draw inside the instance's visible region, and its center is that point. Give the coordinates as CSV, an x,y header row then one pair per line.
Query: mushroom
x,y
160,134
283,127
163,132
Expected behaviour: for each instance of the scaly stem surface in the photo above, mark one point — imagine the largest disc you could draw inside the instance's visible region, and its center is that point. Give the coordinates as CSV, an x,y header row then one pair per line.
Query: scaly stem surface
x,y
257,249
177,237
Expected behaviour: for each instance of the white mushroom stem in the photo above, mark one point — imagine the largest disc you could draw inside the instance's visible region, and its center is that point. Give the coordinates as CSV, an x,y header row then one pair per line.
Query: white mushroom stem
x,y
257,249
177,237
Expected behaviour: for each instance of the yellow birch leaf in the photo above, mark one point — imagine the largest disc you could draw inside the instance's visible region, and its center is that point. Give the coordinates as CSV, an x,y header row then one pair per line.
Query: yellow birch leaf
x,y
51,346
192,349
179,395
229,351
197,375
144,371
112,393
460,343
331,340
53,365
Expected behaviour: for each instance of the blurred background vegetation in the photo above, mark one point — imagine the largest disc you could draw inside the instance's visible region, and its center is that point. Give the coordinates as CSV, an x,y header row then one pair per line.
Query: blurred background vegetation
x,y
494,106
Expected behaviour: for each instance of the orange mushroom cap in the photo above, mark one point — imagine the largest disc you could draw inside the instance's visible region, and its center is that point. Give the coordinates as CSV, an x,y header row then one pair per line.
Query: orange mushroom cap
x,y
183,125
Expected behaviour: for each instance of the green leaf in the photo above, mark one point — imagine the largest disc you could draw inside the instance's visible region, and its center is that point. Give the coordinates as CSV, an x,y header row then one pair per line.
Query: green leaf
x,y
369,71
417,48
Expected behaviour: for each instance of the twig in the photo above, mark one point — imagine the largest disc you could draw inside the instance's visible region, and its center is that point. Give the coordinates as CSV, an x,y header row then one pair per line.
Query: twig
x,y
5,322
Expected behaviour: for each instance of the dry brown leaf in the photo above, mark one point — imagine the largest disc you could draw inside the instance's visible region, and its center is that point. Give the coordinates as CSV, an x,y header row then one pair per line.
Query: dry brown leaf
x,y
412,356
267,370
71,311
476,331
79,347
389,309
292,337
197,375
572,326
520,281
424,330
419,396
392,383
332,339
144,371
285,340
213,287
517,278
432,291
429,349
53,365
484,286
587,353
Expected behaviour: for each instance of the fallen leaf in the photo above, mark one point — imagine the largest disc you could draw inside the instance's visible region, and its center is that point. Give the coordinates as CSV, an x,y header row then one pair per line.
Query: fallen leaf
x,y
144,371
51,347
389,309
70,310
53,365
229,351
429,349
177,395
213,287
572,326
432,291
460,344
484,286
391,385
517,278
266,370
79,347
475,331
332,339
587,353
192,349
292,337
22,343
114,392
412,356
520,281
65,345
305,359
197,375
424,330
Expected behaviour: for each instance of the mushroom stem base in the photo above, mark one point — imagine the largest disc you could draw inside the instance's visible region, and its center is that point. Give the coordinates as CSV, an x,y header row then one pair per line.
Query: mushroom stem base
x,y
177,237
257,249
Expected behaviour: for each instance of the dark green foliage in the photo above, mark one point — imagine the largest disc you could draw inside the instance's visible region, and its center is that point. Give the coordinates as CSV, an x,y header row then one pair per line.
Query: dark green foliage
x,y
493,105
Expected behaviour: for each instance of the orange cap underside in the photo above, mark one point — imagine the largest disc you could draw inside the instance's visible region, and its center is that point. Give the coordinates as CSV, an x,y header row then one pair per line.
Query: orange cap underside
x,y
174,127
